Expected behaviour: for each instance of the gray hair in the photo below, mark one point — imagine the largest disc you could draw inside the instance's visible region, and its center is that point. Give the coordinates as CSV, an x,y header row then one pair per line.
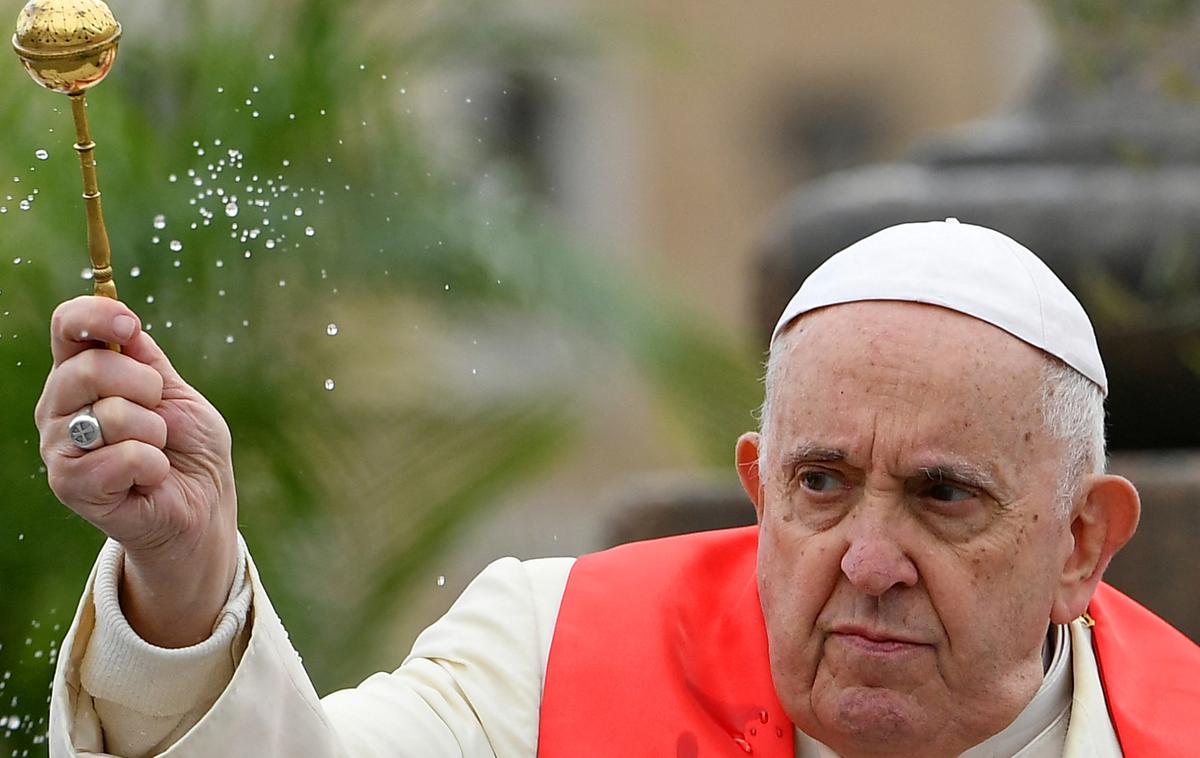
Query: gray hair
x,y
1072,409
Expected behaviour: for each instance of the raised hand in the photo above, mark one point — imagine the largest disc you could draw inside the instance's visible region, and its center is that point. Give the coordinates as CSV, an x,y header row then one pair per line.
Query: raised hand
x,y
161,482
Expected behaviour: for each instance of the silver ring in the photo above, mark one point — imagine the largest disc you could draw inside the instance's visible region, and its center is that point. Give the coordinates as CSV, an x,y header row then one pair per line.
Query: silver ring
x,y
85,430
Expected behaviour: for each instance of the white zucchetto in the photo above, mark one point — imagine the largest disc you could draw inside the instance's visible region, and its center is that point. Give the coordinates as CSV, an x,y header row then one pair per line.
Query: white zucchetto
x,y
970,269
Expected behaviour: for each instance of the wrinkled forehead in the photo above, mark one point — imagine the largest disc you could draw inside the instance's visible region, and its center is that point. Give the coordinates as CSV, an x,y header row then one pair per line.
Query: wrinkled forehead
x,y
855,330
922,375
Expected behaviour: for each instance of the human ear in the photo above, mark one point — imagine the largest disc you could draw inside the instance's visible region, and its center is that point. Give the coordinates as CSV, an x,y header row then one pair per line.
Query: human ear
x,y
746,454
1104,518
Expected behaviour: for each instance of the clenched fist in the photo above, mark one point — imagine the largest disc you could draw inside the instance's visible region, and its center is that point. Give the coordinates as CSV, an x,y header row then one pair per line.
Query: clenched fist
x,y
161,482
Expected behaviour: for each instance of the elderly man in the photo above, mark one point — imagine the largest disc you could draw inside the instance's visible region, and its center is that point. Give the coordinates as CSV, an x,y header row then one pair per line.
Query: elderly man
x,y
924,579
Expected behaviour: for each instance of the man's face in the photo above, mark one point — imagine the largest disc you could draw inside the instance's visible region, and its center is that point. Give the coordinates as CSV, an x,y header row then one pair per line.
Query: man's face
x,y
909,542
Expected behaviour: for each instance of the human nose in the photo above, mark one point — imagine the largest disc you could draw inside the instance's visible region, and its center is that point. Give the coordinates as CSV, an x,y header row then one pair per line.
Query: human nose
x,y
874,562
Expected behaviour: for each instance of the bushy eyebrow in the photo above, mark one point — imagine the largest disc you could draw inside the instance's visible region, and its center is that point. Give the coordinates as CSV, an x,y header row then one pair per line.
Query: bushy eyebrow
x,y
812,454
961,472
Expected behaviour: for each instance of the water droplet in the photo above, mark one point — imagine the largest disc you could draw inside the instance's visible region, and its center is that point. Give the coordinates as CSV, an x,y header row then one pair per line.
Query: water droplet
x,y
172,178
135,272
441,581
298,212
309,231
175,246
270,244
16,261
778,731
329,385
23,205
160,221
283,282
220,264
41,154
87,273
763,716
332,330
150,298
228,339
270,56
753,731
3,209
740,741
231,208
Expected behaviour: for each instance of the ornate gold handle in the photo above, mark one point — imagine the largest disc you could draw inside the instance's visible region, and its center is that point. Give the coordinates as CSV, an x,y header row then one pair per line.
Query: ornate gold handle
x,y
69,46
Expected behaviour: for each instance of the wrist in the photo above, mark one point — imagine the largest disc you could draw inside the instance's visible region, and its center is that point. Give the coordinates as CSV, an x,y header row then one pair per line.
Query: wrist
x,y
172,595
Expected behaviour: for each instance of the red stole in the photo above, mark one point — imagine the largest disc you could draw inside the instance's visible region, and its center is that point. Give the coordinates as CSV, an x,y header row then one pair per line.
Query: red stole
x,y
660,650
1151,676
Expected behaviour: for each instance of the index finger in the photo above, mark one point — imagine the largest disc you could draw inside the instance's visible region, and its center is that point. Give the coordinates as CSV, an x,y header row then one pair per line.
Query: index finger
x,y
78,324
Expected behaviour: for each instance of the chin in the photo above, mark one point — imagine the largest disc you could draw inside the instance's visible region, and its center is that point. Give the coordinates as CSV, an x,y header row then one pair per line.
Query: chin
x,y
874,720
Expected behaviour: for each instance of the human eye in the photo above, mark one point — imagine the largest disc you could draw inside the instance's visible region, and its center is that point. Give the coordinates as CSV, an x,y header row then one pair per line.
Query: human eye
x,y
820,481
944,492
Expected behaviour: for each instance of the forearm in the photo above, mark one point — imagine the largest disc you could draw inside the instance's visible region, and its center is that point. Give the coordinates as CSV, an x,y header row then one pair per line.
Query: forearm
x,y
146,697
470,689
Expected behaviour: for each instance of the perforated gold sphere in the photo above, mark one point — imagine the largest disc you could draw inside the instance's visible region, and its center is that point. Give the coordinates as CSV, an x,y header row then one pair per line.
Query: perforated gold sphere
x,y
67,45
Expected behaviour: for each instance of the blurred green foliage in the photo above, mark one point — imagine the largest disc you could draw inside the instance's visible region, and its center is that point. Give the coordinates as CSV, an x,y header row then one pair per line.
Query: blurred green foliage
x,y
225,118
1102,41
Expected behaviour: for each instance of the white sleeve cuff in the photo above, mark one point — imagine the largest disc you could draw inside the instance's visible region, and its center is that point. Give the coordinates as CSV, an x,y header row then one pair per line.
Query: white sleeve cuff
x,y
121,667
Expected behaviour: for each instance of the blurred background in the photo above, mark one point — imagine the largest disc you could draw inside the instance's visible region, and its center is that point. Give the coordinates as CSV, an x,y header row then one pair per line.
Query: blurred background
x,y
477,279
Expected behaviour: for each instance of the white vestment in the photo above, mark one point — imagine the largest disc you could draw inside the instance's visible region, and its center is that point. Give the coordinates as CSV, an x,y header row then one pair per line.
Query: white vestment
x,y
471,686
